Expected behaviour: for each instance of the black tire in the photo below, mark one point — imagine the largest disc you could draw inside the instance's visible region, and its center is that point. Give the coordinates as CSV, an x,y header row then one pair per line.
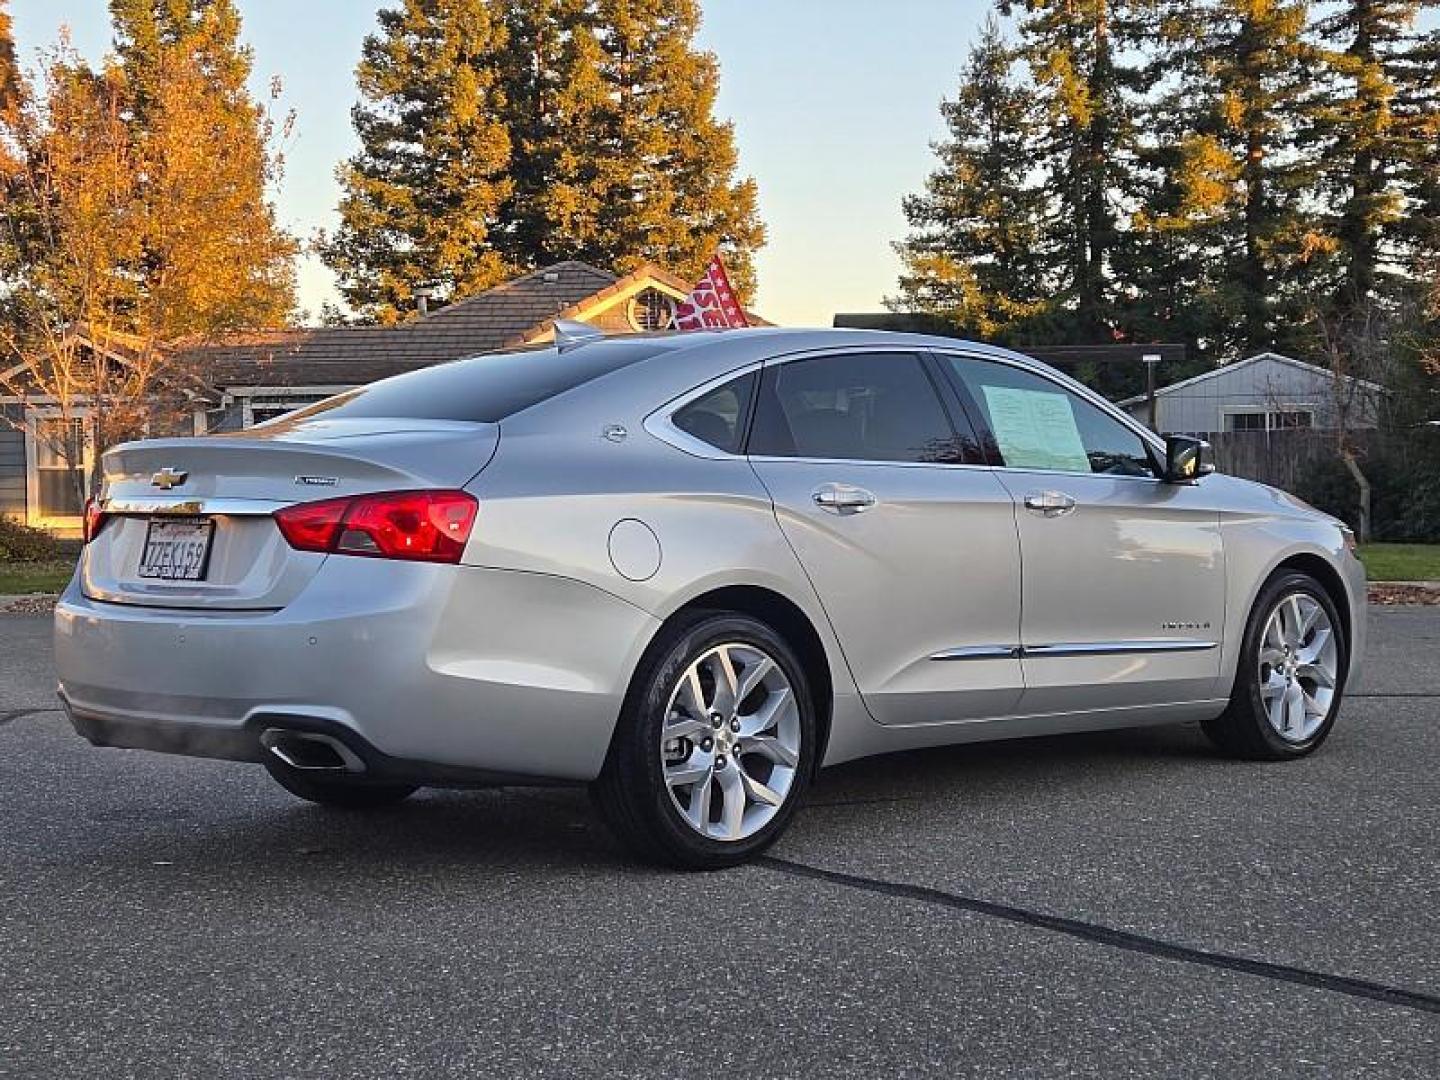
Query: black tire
x,y
1242,730
343,792
631,793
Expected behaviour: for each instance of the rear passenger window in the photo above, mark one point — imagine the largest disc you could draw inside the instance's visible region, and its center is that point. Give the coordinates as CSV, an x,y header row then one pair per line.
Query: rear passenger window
x,y
862,406
719,417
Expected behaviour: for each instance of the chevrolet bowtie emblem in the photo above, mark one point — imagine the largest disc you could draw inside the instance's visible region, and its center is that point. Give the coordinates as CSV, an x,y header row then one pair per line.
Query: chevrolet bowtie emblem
x,y
168,478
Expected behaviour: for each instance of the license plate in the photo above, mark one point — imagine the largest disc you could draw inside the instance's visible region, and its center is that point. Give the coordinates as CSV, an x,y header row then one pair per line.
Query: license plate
x,y
177,550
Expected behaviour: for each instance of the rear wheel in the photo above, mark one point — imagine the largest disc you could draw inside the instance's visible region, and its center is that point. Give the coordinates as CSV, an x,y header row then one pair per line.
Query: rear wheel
x,y
714,748
345,792
1291,675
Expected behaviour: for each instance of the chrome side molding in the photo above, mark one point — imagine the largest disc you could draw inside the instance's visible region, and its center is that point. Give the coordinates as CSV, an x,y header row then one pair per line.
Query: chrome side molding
x,y
979,652
1078,648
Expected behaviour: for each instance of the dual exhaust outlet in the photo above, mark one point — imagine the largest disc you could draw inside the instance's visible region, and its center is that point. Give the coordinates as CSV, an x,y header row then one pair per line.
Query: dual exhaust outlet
x,y
311,751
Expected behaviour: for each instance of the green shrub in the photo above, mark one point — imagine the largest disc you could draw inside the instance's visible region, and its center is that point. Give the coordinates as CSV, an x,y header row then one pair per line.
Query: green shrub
x,y
20,543
1404,473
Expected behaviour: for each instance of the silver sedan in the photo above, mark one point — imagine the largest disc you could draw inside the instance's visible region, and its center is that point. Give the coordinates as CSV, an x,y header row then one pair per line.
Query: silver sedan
x,y
689,571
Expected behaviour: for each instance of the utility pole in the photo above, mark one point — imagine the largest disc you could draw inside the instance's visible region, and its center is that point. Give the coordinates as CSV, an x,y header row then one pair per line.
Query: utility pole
x,y
1151,361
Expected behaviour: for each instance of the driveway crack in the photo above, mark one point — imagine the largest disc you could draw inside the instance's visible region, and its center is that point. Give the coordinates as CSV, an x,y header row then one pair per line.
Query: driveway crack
x,y
1116,939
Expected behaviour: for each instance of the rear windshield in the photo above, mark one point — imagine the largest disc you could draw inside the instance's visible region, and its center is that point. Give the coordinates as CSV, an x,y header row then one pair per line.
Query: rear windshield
x,y
483,388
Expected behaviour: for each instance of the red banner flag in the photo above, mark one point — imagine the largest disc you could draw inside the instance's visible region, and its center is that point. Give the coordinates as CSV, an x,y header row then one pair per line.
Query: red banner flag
x,y
712,305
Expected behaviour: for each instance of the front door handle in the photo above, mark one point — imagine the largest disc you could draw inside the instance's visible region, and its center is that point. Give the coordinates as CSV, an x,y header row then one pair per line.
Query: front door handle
x,y
1049,503
843,498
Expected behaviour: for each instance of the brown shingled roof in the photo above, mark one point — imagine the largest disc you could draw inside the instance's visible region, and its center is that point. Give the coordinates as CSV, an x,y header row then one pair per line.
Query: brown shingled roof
x,y
507,315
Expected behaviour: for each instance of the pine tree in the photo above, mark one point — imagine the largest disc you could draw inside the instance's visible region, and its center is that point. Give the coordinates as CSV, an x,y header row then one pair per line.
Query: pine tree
x,y
554,103
422,198
972,257
1087,87
664,185
498,135
1381,129
1246,93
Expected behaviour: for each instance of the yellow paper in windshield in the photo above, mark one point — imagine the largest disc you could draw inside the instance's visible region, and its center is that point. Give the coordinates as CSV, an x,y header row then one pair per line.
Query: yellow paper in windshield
x,y
1035,430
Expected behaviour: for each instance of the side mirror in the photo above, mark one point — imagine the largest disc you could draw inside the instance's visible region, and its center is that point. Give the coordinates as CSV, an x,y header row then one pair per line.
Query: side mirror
x,y
1187,459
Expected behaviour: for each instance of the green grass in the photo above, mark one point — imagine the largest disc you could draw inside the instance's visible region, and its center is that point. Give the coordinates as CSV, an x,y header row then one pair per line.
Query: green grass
x,y
47,577
1401,562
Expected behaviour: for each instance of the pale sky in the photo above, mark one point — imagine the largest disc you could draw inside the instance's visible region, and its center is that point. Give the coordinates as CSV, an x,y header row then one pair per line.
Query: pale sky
x,y
834,102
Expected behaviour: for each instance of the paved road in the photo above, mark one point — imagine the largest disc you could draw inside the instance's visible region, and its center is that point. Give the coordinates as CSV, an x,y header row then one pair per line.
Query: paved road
x,y
1114,905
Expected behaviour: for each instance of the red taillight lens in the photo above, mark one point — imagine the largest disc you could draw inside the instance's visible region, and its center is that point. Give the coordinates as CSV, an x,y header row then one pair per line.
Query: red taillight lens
x,y
427,526
95,519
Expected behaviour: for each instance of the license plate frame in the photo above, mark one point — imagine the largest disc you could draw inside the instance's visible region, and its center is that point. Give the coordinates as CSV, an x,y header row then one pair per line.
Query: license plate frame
x,y
190,569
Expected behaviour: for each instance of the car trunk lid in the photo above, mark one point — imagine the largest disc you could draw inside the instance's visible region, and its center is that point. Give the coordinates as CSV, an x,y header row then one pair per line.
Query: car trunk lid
x,y
228,487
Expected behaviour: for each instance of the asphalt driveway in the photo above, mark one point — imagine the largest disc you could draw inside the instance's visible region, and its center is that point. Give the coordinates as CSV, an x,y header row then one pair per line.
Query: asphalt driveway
x,y
1123,904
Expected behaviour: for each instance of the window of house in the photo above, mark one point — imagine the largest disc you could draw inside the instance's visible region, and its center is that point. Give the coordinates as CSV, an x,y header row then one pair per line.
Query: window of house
x,y
1038,424
60,456
862,406
1269,419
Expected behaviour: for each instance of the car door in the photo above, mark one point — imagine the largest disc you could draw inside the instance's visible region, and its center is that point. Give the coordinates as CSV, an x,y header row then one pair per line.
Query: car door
x,y
1123,594
907,537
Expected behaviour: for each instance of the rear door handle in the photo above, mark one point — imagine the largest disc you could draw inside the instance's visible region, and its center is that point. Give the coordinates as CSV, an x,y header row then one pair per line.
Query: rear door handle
x,y
1049,503
843,498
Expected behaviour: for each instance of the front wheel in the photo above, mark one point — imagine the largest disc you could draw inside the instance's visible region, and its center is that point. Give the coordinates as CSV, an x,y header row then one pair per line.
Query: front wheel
x,y
714,748
1291,674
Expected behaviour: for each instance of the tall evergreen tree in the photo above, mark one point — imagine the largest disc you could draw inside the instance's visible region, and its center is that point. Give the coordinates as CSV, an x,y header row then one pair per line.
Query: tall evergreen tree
x,y
973,254
1087,85
665,187
1381,129
422,197
497,135
1246,88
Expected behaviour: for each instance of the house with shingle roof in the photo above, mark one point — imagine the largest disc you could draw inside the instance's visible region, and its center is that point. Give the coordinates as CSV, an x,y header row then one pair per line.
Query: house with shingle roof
x,y
248,378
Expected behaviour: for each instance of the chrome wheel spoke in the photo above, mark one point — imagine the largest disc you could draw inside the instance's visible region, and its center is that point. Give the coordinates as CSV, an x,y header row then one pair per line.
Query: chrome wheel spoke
x,y
732,807
1318,674
768,746
1310,653
1294,708
758,792
754,675
768,715
727,682
698,813
686,727
694,769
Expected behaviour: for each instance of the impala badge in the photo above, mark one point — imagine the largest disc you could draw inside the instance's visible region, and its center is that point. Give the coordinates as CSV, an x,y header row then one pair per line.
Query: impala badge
x,y
168,478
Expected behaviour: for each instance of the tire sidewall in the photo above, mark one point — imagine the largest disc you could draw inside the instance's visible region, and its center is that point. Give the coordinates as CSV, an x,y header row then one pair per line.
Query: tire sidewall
x,y
648,715
1247,682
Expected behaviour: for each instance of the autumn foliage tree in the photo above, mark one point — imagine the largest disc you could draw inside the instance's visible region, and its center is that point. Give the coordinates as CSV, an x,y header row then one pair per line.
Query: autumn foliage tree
x,y
136,221
498,135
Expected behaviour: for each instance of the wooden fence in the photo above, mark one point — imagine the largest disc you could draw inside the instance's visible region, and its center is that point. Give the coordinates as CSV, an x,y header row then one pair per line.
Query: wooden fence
x,y
1278,458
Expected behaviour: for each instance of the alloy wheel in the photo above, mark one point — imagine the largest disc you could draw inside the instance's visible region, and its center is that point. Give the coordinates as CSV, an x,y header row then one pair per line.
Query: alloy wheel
x,y
1298,667
730,742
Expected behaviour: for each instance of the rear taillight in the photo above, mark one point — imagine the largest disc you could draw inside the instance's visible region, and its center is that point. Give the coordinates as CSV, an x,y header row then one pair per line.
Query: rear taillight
x,y
425,526
95,519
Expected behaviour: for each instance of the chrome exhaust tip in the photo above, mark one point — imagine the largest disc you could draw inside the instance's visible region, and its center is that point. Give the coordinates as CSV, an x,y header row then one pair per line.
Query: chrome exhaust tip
x,y
310,751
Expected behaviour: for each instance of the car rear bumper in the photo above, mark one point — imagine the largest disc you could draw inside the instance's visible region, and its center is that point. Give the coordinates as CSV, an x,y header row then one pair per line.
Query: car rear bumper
x,y
447,674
